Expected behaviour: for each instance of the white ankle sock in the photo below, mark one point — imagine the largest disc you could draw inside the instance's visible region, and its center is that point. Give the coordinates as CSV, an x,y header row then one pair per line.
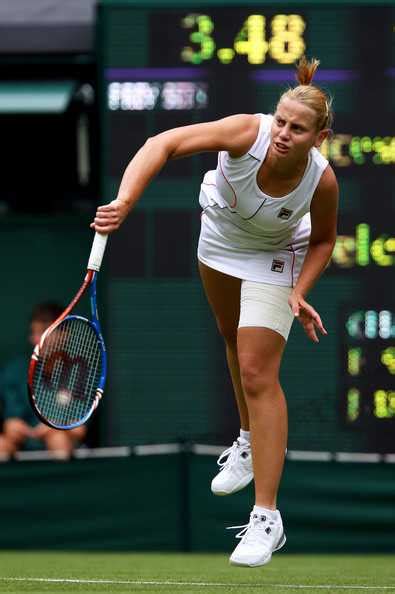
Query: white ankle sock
x,y
245,435
270,513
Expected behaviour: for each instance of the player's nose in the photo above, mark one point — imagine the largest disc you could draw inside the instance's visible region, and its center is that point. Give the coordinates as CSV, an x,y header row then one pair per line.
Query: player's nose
x,y
284,132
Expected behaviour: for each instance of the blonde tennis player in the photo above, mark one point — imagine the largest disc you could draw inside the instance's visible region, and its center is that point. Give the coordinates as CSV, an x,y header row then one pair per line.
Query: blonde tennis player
x,y
268,232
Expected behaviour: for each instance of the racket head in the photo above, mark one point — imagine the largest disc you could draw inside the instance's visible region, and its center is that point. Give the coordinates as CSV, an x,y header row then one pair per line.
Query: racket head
x,y
67,373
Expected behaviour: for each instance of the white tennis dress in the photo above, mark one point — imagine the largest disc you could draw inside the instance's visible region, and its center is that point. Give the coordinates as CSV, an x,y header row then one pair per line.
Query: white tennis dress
x,y
246,233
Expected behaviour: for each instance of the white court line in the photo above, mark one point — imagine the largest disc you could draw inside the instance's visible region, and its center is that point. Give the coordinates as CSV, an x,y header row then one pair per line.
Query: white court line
x,y
201,584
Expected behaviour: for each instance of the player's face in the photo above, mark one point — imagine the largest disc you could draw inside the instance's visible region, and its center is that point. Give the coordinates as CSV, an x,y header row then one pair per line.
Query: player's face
x,y
36,330
294,131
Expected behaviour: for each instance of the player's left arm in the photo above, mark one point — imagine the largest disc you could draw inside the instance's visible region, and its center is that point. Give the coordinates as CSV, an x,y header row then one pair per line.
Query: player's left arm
x,y
323,212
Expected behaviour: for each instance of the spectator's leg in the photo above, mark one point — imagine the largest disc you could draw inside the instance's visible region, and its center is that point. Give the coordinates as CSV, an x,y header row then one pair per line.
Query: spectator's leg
x,y
78,434
15,433
59,443
62,443
7,448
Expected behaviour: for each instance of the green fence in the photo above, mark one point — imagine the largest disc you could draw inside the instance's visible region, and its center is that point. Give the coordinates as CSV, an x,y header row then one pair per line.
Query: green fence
x,y
163,502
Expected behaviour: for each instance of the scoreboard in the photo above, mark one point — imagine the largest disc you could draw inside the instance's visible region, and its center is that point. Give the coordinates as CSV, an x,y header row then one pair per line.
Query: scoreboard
x,y
166,64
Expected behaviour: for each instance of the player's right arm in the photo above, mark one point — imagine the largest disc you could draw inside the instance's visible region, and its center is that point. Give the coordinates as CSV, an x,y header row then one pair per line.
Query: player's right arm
x,y
235,134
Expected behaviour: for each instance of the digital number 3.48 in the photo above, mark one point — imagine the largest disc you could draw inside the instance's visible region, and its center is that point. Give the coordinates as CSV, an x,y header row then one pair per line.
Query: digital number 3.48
x,y
285,45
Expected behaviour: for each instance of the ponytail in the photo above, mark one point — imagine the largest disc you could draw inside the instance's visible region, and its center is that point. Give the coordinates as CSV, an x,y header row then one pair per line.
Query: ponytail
x,y
311,95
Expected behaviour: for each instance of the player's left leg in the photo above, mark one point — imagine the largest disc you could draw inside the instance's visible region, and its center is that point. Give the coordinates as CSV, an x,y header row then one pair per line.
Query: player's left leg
x,y
260,353
265,321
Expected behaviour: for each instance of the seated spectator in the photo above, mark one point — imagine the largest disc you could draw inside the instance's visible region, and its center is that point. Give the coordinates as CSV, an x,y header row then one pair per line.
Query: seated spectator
x,y
21,428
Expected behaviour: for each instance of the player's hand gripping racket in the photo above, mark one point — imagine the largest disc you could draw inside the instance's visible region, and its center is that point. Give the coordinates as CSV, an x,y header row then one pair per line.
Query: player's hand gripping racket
x,y
68,367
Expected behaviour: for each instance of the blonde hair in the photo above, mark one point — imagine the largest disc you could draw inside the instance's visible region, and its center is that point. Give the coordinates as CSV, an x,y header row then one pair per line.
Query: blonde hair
x,y
310,94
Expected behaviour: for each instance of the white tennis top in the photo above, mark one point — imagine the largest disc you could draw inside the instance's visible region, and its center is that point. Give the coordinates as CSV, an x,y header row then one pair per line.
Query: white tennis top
x,y
239,218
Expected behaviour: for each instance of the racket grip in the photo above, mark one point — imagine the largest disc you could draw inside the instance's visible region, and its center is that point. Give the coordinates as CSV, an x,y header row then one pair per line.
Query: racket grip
x,y
97,252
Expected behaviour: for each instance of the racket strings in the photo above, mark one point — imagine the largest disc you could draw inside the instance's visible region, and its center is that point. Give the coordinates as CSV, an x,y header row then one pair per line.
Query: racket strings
x,y
68,372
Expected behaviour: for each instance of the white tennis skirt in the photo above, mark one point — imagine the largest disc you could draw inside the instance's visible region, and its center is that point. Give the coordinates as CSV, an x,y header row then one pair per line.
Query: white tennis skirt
x,y
267,278
281,267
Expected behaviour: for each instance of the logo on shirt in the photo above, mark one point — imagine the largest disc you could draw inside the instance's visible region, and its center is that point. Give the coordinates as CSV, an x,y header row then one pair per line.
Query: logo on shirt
x,y
278,265
284,214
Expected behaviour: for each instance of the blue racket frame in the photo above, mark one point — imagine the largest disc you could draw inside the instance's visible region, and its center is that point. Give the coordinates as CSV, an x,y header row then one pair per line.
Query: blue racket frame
x,y
95,325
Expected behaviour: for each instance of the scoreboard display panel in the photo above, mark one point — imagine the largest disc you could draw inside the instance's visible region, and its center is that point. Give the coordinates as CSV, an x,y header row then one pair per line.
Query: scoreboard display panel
x,y
163,65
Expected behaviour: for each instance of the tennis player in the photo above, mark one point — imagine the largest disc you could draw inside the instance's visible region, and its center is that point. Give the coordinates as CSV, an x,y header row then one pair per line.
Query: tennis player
x,y
268,232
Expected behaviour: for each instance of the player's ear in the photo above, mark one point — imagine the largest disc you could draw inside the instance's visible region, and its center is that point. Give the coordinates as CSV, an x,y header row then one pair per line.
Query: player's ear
x,y
321,136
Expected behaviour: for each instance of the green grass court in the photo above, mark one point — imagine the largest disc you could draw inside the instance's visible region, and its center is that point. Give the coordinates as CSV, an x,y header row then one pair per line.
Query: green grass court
x,y
195,574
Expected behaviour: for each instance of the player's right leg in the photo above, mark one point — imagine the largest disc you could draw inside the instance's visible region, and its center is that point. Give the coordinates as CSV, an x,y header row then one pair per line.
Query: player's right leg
x,y
223,295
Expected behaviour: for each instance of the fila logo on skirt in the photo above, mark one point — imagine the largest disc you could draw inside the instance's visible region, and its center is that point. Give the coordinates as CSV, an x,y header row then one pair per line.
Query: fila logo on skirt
x,y
278,265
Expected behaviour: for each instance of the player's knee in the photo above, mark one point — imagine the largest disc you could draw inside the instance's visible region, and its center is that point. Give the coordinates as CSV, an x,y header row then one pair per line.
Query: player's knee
x,y
257,380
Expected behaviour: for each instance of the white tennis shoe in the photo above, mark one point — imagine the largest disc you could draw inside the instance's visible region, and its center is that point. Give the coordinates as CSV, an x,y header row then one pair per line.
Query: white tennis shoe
x,y
259,539
236,469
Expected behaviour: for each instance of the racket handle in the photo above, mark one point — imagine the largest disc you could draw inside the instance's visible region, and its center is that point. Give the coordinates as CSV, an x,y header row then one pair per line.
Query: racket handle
x,y
97,251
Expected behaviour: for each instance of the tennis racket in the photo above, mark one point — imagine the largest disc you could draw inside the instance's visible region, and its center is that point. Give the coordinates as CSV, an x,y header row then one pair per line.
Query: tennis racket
x,y
68,367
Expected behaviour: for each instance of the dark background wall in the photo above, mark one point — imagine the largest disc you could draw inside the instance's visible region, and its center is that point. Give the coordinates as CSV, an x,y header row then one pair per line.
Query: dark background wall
x,y
168,379
42,259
